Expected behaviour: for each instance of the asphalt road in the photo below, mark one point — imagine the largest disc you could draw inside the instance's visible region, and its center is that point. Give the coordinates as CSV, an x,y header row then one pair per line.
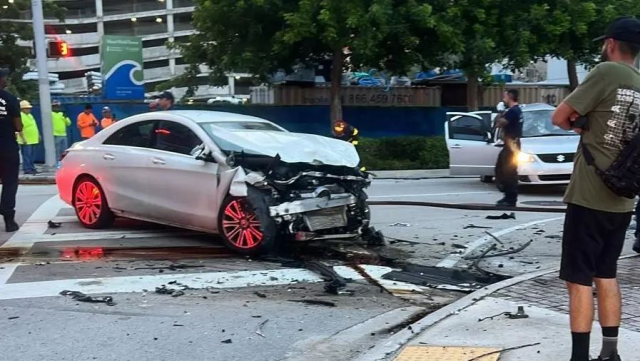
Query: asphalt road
x,y
235,308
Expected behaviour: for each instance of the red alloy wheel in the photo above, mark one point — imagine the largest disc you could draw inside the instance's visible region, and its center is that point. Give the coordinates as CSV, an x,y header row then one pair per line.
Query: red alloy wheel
x,y
241,226
88,202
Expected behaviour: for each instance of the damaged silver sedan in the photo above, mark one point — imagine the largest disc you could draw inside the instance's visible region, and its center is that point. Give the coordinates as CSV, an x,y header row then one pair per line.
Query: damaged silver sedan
x,y
242,177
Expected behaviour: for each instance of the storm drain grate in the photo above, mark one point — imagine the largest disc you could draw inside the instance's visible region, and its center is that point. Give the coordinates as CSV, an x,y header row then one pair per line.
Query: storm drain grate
x,y
439,353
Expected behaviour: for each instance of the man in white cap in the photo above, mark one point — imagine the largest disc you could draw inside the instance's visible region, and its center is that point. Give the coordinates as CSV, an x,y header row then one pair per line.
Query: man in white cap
x,y
60,123
29,138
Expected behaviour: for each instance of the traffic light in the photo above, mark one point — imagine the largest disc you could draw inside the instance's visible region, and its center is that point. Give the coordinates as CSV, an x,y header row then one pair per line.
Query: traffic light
x,y
58,49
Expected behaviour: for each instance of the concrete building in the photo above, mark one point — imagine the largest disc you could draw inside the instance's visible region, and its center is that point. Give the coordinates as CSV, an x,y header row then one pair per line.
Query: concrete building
x,y
155,21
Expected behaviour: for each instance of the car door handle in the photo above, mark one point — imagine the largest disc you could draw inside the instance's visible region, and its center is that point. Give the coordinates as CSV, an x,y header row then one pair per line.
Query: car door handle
x,y
456,146
158,161
108,157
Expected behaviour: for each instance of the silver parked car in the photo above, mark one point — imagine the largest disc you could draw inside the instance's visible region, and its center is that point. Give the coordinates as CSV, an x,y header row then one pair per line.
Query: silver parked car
x,y
547,151
242,177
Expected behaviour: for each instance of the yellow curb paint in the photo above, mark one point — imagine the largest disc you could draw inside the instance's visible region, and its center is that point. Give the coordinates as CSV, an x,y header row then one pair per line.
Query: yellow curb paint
x,y
439,353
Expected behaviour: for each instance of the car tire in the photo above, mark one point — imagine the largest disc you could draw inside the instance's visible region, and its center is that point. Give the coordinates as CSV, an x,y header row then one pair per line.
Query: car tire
x,y
90,204
486,179
245,228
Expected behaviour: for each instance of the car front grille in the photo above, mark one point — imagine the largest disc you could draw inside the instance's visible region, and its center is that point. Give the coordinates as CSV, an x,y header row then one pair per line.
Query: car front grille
x,y
555,177
557,158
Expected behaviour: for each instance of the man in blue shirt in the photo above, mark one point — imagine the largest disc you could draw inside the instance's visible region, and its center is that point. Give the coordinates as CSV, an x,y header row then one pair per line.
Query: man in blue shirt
x,y
507,167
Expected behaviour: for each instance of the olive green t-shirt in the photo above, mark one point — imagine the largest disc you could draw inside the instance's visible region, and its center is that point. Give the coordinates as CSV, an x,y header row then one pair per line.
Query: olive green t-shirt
x,y
607,97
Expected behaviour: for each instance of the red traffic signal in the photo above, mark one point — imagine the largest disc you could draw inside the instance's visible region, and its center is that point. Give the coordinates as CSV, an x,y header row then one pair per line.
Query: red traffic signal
x,y
59,49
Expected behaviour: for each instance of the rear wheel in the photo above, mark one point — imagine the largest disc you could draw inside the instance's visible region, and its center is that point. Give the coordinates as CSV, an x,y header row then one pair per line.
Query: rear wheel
x,y
91,204
246,229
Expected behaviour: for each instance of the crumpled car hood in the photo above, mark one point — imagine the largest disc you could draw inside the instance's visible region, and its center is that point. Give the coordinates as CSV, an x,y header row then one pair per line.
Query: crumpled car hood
x,y
292,147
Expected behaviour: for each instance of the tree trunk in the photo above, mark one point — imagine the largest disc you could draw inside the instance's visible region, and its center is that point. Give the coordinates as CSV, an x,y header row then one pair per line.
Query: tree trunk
x,y
472,92
336,85
573,75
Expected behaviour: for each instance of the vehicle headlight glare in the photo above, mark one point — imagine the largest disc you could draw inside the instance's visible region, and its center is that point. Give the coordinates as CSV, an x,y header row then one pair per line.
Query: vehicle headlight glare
x,y
524,158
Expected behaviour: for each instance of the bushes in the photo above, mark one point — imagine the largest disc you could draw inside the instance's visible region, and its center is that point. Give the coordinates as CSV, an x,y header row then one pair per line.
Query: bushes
x,y
404,153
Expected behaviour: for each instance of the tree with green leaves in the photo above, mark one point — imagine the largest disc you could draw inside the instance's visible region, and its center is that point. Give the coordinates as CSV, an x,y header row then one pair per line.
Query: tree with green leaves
x,y
262,37
14,56
565,29
474,34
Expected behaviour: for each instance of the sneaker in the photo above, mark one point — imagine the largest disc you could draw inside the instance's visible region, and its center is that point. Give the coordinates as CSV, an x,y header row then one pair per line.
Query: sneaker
x,y
614,357
636,245
11,225
506,203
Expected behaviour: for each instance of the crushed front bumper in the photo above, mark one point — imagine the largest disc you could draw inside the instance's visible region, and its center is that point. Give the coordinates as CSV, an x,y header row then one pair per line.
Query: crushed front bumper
x,y
311,204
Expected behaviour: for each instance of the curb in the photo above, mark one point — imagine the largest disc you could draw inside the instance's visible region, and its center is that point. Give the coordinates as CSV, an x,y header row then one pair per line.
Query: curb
x,y
27,181
397,341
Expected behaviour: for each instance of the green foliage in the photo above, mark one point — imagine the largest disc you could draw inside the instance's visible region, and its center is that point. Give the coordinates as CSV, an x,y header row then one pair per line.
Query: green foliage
x,y
262,37
12,55
404,153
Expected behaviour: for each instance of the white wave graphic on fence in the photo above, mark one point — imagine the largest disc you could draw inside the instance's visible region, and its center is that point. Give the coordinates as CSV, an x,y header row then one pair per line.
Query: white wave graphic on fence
x,y
135,67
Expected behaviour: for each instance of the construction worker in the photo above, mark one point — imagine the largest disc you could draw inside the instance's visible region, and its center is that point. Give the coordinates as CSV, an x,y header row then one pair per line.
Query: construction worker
x,y
29,138
60,123
87,123
107,118
343,131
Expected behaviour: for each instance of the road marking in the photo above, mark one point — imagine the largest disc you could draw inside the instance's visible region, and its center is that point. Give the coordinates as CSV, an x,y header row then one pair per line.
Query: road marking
x,y
36,225
6,270
429,194
453,259
231,279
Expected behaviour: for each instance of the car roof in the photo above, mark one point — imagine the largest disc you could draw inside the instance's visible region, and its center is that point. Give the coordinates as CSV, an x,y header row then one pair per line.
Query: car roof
x,y
537,106
208,116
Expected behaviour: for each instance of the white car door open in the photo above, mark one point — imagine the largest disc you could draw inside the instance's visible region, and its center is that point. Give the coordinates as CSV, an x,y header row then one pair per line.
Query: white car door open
x,y
470,143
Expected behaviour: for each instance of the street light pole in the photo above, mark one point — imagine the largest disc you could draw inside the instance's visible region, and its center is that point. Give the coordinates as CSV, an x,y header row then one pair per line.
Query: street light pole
x,y
43,82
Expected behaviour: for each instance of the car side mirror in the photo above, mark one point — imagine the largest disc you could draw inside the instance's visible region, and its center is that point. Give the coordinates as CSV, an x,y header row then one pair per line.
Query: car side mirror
x,y
206,156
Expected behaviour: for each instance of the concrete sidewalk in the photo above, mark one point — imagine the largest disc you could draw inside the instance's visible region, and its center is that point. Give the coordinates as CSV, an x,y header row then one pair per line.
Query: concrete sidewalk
x,y
545,302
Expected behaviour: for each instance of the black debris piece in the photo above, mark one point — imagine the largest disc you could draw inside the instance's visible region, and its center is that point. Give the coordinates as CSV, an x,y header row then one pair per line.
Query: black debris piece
x,y
227,341
505,253
315,302
336,283
503,216
553,236
13,318
260,294
458,246
520,314
171,267
164,290
212,290
81,297
257,316
473,226
436,277
177,325
53,224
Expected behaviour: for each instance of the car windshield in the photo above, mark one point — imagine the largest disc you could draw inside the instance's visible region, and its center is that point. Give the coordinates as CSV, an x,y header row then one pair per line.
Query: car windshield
x,y
231,143
537,123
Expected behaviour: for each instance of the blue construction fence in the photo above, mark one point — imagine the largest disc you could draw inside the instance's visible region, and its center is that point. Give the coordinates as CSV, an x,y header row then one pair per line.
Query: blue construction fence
x,y
373,122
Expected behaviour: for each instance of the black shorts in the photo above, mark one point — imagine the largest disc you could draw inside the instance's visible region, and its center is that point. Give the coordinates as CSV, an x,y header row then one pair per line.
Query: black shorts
x,y
591,244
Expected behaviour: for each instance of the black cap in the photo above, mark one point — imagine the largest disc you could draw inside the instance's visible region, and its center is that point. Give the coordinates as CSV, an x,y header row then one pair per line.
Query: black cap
x,y
167,95
88,107
625,29
4,72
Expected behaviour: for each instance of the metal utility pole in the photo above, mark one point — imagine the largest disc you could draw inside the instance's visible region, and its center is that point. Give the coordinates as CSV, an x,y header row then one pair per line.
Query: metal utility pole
x,y
43,82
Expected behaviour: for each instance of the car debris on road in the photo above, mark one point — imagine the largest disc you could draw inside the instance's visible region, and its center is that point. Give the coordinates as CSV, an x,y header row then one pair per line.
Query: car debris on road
x,y
81,297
